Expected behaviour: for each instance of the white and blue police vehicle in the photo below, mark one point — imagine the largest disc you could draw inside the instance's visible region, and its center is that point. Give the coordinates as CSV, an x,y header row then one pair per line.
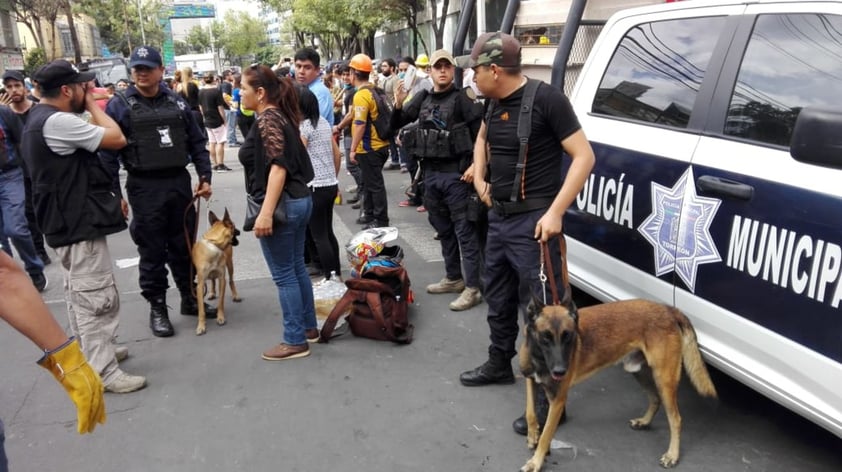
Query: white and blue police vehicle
x,y
717,128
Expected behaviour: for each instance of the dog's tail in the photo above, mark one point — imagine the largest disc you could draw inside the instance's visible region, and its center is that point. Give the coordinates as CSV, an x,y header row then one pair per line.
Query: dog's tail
x,y
693,363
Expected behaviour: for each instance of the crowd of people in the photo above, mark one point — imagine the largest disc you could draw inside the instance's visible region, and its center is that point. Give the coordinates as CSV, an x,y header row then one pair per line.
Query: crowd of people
x,y
487,212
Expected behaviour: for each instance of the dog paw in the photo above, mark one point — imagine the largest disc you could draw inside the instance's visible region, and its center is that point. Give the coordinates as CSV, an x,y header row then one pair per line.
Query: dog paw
x,y
638,424
220,321
531,466
200,330
668,461
531,441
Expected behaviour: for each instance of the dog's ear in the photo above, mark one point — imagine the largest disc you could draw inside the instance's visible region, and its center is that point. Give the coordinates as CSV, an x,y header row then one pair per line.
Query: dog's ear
x,y
533,310
226,218
572,309
212,218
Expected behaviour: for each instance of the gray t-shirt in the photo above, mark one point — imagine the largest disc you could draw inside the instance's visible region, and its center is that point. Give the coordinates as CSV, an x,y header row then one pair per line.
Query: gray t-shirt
x,y
66,132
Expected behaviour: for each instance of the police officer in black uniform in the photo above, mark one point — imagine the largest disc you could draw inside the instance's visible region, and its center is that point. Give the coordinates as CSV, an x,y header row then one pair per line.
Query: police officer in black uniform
x,y
443,139
527,190
163,138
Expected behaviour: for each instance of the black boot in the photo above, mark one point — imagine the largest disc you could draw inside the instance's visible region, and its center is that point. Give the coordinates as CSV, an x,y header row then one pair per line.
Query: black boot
x,y
496,370
542,409
159,320
189,307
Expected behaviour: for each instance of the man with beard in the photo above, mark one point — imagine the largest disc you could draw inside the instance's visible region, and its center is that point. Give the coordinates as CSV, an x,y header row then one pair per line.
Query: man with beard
x,y
21,103
77,210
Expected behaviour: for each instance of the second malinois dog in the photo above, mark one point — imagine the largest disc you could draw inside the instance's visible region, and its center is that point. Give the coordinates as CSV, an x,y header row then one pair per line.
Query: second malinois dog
x,y
563,346
212,259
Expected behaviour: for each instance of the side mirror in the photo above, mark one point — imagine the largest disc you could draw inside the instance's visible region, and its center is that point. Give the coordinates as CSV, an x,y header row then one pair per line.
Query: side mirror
x,y
817,137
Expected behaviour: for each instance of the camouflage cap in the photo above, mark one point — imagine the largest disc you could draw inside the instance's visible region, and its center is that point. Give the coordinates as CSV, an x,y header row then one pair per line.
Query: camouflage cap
x,y
495,48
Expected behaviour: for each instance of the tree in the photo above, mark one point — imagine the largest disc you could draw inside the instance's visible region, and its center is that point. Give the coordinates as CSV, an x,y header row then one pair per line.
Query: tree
x,y
241,36
34,59
67,7
180,48
119,22
438,23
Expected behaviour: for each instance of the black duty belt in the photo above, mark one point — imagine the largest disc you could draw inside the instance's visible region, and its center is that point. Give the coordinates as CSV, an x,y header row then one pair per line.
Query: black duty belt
x,y
513,208
440,166
159,173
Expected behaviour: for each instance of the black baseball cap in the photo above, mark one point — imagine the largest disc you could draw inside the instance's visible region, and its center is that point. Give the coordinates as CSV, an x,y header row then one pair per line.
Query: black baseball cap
x,y
14,75
146,56
60,72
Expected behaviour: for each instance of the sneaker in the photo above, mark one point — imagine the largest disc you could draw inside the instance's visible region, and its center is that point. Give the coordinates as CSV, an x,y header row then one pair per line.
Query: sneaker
x,y
421,209
313,335
215,168
351,189
446,285
282,352
233,145
406,203
125,383
121,353
469,298
40,281
224,168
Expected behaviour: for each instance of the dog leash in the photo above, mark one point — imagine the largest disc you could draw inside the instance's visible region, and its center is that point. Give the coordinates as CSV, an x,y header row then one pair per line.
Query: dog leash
x,y
546,262
196,202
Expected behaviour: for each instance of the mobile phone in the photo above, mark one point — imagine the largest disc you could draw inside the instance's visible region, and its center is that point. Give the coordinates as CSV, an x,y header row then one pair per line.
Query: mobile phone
x,y
409,78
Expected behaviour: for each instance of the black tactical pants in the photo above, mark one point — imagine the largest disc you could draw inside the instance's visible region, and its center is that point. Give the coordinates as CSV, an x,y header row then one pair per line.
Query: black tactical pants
x,y
157,228
513,262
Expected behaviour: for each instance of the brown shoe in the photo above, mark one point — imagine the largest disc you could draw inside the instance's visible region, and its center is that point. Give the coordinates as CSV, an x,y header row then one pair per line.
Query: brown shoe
x,y
282,352
312,335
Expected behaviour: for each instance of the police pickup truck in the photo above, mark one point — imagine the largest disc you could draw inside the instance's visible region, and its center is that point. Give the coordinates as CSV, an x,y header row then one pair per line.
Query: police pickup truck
x,y
717,128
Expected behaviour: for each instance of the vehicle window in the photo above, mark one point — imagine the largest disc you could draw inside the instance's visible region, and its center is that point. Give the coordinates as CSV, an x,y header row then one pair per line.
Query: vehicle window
x,y
791,62
656,71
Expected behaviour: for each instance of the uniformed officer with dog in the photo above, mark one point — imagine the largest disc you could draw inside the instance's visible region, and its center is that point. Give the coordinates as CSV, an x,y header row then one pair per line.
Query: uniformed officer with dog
x,y
526,189
448,122
163,137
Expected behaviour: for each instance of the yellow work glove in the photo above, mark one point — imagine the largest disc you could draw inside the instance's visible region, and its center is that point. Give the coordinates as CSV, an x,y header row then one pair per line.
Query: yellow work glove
x,y
83,385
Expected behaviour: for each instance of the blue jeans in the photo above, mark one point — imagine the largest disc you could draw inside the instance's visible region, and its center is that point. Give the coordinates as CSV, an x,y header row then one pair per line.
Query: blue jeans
x,y
13,219
231,125
284,254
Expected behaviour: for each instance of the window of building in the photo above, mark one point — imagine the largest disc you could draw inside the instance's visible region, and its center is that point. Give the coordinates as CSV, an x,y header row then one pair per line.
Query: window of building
x,y
656,71
66,42
791,62
8,31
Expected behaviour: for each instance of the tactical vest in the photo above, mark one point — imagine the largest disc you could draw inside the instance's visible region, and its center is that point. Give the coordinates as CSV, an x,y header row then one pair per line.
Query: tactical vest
x,y
158,135
71,194
441,132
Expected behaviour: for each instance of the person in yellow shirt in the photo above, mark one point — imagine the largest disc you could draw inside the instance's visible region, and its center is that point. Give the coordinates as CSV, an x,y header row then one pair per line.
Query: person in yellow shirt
x,y
368,149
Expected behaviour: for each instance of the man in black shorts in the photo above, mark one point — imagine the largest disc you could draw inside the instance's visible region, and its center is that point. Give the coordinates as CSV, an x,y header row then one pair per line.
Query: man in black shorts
x,y
526,206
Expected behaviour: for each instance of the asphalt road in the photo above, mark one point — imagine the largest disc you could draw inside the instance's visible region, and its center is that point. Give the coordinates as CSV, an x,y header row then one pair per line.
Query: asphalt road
x,y
355,404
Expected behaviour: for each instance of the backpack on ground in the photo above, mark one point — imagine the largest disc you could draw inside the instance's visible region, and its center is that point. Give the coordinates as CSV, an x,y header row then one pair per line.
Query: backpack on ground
x,y
376,303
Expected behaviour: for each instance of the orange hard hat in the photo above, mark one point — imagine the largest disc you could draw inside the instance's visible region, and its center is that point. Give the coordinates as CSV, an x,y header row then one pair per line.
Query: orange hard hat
x,y
361,62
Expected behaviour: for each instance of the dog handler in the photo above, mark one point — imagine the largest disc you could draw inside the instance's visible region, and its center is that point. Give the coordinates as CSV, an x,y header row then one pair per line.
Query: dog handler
x,y
76,209
522,213
163,137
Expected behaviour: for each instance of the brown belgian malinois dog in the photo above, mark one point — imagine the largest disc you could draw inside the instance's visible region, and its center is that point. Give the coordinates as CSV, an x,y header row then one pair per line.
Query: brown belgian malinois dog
x,y
212,259
564,346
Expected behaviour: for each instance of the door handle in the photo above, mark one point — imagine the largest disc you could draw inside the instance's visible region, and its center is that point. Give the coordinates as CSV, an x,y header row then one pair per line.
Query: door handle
x,y
727,188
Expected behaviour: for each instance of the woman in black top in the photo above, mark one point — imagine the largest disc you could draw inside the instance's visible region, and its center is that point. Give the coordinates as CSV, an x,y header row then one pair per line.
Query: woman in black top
x,y
274,143
190,91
